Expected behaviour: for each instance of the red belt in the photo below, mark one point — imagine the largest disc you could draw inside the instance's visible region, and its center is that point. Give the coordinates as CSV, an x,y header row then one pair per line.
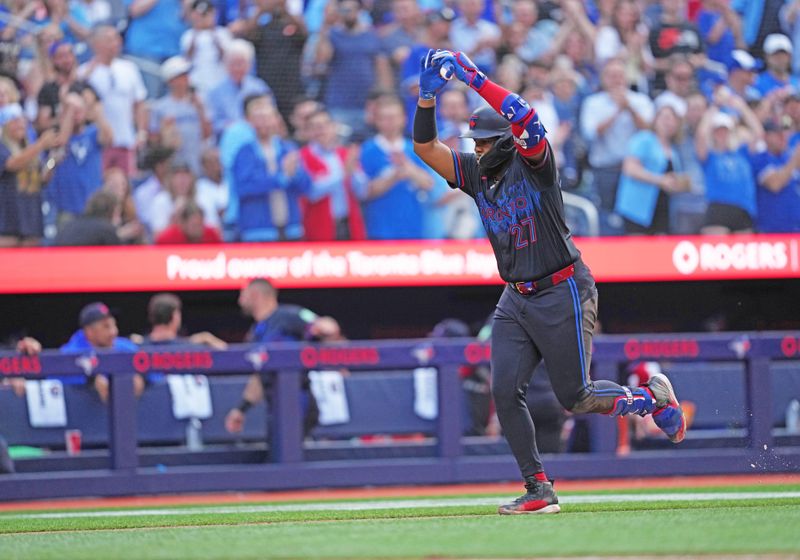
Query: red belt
x,y
532,287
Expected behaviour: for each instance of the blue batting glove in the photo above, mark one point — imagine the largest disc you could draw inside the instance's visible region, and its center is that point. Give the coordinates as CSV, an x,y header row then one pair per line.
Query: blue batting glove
x,y
433,75
465,70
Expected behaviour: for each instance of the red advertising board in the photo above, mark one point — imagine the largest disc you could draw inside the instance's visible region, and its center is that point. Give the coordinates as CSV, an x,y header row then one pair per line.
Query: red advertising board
x,y
381,264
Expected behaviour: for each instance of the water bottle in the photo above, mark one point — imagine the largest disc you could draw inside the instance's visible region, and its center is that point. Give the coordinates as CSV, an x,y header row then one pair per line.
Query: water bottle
x,y
194,435
793,417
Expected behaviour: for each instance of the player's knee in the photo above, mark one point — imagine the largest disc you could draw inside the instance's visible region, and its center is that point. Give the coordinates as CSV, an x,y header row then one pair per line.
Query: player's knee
x,y
505,396
579,404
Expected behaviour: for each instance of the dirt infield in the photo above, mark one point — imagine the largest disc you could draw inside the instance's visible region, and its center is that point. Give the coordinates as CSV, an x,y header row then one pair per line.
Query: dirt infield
x,y
399,492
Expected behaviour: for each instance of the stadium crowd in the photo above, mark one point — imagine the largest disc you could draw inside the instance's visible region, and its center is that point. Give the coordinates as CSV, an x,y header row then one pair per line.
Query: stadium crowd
x,y
203,121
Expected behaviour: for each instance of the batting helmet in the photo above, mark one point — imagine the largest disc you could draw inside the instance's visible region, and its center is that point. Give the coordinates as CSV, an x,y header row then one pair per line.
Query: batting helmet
x,y
487,123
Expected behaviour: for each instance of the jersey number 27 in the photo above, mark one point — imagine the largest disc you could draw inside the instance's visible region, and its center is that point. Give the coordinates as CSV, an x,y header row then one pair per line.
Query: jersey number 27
x,y
524,232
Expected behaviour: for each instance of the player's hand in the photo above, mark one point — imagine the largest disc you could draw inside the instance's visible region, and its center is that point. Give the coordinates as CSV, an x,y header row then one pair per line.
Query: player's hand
x,y
29,345
234,421
433,75
465,70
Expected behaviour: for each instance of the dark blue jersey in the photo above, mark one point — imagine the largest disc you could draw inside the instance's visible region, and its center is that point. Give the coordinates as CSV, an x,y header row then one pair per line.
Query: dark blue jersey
x,y
287,323
523,214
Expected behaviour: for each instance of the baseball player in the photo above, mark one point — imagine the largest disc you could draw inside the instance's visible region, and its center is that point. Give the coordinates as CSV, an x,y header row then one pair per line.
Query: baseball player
x,y
549,306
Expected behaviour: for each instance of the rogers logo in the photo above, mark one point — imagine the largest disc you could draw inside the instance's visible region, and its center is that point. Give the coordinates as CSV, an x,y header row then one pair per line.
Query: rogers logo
x,y
790,346
475,352
311,356
677,348
172,361
20,364
756,255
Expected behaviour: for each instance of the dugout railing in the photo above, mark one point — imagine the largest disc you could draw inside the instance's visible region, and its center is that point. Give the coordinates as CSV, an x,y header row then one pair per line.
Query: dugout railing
x,y
763,446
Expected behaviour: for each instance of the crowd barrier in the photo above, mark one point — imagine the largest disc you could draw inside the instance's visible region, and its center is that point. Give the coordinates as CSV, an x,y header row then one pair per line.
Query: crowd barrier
x,y
747,379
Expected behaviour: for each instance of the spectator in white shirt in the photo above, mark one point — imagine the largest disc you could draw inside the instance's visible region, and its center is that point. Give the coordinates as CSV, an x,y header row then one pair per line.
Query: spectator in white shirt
x,y
119,85
608,120
204,45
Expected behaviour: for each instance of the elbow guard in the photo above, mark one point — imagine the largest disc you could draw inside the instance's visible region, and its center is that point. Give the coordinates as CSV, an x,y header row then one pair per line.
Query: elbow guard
x,y
526,126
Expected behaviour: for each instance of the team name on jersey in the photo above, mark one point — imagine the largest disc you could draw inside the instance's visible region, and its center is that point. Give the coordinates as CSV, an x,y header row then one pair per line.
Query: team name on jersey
x,y
505,212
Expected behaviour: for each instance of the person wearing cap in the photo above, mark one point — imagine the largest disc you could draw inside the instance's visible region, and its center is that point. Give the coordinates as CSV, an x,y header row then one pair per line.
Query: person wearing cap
x,y
742,75
22,178
98,331
548,309
204,46
777,76
724,151
777,173
179,118
651,172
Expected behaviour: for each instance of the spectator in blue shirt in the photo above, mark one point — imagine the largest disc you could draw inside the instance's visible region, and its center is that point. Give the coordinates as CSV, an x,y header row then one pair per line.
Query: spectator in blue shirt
x,y
98,331
721,30
725,155
651,172
399,183
777,172
154,34
80,173
226,100
264,174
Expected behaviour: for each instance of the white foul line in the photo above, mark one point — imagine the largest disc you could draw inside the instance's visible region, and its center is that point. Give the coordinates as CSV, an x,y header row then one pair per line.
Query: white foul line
x,y
402,504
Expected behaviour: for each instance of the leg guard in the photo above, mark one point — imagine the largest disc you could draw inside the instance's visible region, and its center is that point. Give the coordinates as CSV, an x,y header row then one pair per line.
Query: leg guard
x,y
635,401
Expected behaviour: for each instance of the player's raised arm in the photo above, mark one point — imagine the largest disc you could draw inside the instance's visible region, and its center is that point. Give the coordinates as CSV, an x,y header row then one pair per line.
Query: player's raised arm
x,y
525,124
426,142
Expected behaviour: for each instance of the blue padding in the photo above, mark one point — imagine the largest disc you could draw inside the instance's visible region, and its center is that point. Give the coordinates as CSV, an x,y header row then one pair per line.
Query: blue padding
x,y
716,389
785,387
380,403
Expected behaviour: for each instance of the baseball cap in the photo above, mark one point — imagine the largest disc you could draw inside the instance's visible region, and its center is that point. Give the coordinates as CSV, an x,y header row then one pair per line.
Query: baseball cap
x,y
202,6
10,112
776,42
92,313
486,123
175,66
722,120
743,60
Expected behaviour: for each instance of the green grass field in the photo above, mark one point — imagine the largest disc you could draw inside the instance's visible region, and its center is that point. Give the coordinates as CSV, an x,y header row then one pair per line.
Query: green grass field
x,y
724,521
